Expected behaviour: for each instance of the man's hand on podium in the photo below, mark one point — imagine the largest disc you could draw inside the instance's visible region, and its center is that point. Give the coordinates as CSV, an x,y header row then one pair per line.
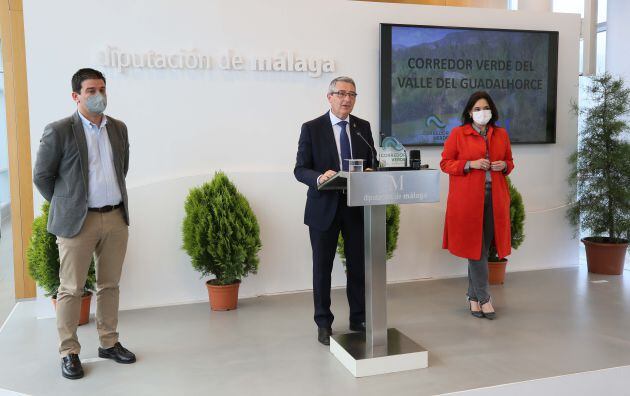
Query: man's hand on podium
x,y
324,177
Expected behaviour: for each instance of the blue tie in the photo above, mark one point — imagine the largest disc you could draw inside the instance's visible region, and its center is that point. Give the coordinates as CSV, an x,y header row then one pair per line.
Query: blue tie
x,y
344,146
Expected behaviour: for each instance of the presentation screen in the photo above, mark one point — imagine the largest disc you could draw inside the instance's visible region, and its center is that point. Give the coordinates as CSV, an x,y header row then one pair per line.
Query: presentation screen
x,y
428,73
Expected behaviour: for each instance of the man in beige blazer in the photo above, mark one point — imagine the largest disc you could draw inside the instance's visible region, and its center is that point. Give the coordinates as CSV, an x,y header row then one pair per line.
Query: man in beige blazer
x,y
80,169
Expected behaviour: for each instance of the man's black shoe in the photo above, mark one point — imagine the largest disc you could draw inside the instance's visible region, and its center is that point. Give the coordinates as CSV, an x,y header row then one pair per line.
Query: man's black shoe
x,y
323,335
71,366
118,352
357,326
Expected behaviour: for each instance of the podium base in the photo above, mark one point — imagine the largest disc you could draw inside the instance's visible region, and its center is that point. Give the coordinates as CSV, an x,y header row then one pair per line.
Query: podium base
x,y
402,354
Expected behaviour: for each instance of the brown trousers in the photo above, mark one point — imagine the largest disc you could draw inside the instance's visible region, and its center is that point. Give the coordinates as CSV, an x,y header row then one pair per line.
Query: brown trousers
x,y
104,236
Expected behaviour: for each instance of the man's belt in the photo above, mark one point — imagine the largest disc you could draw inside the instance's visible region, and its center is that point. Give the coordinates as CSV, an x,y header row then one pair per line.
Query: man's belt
x,y
105,209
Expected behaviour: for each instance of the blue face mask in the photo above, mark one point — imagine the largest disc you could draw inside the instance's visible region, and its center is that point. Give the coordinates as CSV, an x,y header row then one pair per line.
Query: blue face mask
x,y
96,103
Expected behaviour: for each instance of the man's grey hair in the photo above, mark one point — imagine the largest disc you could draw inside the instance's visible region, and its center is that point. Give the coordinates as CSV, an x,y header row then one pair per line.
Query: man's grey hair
x,y
333,83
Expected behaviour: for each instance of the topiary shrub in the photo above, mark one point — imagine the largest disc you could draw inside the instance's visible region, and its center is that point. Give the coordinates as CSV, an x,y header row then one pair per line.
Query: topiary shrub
x,y
392,223
220,231
600,176
517,221
42,256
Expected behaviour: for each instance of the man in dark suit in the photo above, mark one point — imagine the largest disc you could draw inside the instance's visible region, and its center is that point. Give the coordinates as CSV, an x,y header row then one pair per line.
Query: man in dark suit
x,y
325,145
80,169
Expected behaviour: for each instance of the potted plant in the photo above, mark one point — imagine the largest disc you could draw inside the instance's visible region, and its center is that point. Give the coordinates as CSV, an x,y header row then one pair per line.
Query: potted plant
x,y
600,178
221,236
496,266
42,256
392,222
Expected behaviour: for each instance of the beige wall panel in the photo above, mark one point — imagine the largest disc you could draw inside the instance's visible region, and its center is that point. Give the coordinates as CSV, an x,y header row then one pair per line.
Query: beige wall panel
x,y
18,137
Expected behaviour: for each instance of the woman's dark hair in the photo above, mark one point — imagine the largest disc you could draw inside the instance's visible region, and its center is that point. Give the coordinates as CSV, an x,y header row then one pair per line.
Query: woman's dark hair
x,y
85,74
466,119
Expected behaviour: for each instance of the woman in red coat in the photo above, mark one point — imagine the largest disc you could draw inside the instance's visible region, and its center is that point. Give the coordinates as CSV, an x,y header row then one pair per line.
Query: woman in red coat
x,y
477,156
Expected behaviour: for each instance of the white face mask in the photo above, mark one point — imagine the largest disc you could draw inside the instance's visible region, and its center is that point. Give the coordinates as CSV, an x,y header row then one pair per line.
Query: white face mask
x,y
482,117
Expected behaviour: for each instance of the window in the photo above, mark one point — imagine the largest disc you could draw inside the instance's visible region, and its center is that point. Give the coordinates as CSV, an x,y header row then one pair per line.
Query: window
x,y
577,7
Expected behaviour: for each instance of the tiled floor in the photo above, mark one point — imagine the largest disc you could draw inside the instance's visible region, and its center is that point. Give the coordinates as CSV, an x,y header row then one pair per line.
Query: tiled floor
x,y
550,323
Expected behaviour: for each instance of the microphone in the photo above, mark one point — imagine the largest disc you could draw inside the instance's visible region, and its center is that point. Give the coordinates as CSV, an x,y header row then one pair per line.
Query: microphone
x,y
414,159
372,150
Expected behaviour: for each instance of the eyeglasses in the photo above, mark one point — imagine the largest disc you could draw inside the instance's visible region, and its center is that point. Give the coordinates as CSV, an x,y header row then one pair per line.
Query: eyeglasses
x,y
343,94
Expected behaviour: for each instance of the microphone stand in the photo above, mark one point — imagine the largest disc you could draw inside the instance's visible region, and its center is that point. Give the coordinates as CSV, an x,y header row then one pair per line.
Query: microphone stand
x,y
372,150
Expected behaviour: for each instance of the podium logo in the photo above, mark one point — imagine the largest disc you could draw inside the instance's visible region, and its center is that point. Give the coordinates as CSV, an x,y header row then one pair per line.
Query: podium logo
x,y
397,182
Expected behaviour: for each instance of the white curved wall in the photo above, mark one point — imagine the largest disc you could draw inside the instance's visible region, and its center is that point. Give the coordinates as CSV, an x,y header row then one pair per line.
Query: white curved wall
x,y
184,125
617,39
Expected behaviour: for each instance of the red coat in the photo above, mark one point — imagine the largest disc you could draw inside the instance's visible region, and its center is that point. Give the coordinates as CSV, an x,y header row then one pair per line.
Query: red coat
x,y
464,207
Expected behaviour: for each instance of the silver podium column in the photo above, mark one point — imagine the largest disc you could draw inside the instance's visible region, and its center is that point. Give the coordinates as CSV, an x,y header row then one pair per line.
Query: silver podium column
x,y
375,280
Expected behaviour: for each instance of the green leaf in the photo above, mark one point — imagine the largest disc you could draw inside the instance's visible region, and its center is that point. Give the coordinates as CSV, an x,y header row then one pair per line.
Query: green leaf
x,y
517,221
42,256
600,167
220,231
392,224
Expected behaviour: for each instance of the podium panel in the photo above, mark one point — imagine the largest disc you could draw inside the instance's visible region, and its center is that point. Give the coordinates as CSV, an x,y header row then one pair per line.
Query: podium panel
x,y
402,187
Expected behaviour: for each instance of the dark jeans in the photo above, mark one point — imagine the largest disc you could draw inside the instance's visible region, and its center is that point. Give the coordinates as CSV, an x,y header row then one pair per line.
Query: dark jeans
x,y
478,287
348,221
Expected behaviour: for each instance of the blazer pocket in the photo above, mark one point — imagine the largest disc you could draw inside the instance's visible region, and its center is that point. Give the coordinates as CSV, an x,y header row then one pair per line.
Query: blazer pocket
x,y
62,203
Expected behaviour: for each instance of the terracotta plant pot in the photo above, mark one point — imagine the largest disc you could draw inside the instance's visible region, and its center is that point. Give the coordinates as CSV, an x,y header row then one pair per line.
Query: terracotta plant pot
x,y
604,257
84,317
496,272
222,297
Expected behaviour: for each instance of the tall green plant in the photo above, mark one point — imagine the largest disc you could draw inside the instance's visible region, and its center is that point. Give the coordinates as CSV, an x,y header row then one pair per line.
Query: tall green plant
x,y
600,178
517,221
220,231
42,256
392,222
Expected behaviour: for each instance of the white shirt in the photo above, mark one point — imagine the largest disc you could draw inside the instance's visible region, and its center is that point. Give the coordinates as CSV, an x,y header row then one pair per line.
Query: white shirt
x,y
334,120
337,130
103,189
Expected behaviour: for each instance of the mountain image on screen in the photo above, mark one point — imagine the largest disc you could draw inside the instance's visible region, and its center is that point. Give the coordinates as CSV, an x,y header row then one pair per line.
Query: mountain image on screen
x,y
433,71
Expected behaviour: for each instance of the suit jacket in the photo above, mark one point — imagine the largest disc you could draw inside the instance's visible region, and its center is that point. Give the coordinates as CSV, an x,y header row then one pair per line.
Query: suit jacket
x,y
61,171
317,153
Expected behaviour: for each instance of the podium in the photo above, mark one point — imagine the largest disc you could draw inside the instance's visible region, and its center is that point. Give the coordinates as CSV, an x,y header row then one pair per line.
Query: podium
x,y
380,349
